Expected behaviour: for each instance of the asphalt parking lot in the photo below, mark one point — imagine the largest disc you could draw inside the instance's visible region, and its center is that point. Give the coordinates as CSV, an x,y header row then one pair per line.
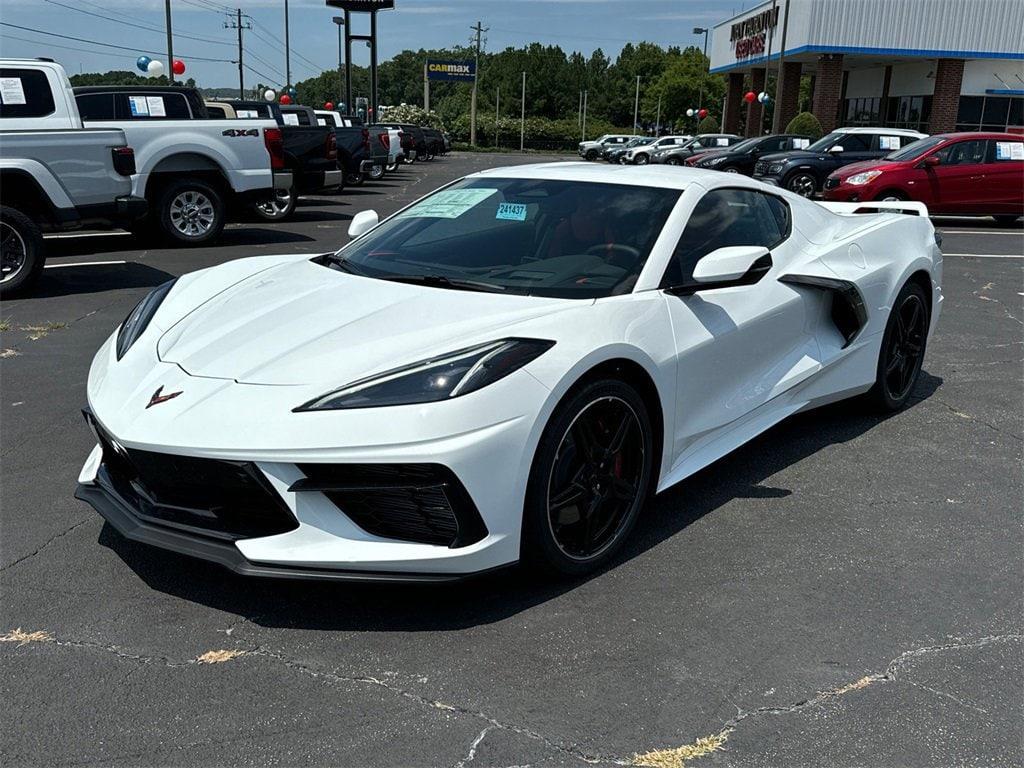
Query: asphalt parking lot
x,y
844,591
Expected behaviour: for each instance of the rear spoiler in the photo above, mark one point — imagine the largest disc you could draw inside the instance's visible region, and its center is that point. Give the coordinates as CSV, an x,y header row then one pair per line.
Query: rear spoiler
x,y
908,207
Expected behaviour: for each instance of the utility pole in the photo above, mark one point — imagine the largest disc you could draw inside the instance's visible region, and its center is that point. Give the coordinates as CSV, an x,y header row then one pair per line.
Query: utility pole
x,y
287,49
780,89
497,115
585,93
657,120
170,41
237,23
767,61
579,113
479,29
522,119
340,21
426,89
636,105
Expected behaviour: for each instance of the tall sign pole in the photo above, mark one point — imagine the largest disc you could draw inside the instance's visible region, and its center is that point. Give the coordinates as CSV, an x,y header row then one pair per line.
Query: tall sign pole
x,y
479,29
636,104
767,63
373,67
340,21
522,118
584,115
348,61
170,41
426,89
360,6
497,115
287,49
780,88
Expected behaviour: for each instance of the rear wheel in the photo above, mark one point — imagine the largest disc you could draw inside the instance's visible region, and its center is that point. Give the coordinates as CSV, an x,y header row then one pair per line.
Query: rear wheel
x,y
190,212
730,169
641,159
591,154
673,161
903,348
277,208
354,179
803,183
589,480
377,173
21,251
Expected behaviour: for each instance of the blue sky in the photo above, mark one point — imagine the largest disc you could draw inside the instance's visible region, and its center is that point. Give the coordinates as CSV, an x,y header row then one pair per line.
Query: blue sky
x,y
574,24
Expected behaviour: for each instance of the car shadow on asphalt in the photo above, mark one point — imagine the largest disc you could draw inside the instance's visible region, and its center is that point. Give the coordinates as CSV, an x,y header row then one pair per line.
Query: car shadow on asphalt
x,y
97,278
354,607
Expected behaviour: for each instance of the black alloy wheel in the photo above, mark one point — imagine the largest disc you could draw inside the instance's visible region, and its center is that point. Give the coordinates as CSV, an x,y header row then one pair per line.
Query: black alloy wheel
x,y
903,348
673,161
641,159
590,479
21,251
803,183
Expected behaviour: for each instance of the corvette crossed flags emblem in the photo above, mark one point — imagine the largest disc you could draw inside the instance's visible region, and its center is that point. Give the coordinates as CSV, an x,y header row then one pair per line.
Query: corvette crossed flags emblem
x,y
158,398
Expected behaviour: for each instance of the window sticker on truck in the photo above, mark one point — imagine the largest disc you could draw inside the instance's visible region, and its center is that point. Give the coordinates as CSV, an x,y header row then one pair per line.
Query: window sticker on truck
x,y
12,91
155,104
139,105
1009,150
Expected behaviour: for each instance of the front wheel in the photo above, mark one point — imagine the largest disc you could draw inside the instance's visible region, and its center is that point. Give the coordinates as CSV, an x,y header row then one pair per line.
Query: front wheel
x,y
641,159
21,251
590,478
277,208
903,347
377,173
190,213
591,154
892,196
673,161
804,184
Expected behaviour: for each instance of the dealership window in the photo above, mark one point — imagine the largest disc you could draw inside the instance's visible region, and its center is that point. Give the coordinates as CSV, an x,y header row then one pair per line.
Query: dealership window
x,y
990,113
863,111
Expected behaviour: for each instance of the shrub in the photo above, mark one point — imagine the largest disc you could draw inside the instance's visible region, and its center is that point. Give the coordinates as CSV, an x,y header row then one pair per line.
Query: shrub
x,y
410,113
539,133
805,124
708,125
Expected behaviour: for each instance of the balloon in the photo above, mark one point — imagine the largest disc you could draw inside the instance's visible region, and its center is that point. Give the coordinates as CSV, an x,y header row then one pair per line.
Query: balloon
x,y
142,63
702,114
269,94
290,90
689,113
155,68
178,67
329,105
749,97
286,99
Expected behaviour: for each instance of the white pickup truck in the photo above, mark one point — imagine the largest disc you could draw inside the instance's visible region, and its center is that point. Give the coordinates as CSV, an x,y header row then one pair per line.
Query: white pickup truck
x,y
191,172
53,177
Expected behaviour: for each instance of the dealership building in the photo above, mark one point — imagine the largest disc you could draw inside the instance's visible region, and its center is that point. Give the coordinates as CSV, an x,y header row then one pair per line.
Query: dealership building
x,y
931,65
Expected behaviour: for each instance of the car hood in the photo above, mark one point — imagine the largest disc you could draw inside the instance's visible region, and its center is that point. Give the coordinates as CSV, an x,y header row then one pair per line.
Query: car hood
x,y
711,153
794,154
864,165
303,323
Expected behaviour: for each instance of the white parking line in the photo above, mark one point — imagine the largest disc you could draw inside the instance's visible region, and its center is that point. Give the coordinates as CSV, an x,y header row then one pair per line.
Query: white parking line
x,y
979,232
85,234
83,264
987,255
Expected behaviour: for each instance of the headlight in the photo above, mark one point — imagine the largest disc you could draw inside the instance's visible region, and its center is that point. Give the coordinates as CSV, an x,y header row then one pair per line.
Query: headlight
x,y
714,161
774,168
139,318
860,179
439,378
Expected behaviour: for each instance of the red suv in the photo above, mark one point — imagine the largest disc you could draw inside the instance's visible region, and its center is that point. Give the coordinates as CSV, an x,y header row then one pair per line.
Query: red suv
x,y
953,173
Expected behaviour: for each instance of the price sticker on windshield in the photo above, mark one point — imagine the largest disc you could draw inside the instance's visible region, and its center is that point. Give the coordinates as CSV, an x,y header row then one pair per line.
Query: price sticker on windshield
x,y
511,212
448,203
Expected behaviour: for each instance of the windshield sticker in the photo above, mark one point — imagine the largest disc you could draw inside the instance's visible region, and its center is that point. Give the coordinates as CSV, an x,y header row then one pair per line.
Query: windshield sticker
x,y
11,91
290,118
449,203
1009,150
139,105
246,114
722,142
156,106
511,212
801,143
888,142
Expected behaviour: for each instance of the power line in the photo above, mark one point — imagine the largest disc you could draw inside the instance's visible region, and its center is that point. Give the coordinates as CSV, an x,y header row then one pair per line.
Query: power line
x,y
107,45
147,28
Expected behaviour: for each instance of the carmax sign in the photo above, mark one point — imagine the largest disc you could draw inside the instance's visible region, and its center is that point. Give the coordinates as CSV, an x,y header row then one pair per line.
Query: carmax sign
x,y
462,71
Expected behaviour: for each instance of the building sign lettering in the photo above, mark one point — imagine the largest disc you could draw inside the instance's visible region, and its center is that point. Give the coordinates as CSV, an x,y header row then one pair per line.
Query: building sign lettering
x,y
748,36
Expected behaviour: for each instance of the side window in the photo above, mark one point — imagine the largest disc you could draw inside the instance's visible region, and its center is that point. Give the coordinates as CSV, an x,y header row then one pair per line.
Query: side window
x,y
723,218
964,153
142,106
855,142
95,106
25,93
216,113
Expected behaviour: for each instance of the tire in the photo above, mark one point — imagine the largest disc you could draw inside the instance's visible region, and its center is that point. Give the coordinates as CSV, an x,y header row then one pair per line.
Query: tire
x,y
1006,220
279,207
601,486
891,196
190,213
391,167
354,179
803,183
408,158
591,154
22,253
641,159
673,161
377,173
903,349
730,169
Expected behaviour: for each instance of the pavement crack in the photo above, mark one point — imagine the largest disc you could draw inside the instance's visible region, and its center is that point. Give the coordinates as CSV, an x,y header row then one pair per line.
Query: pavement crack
x,y
471,755
46,543
969,417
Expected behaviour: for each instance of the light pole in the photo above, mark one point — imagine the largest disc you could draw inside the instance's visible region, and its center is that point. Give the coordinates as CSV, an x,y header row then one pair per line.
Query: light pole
x,y
340,21
170,42
636,105
702,31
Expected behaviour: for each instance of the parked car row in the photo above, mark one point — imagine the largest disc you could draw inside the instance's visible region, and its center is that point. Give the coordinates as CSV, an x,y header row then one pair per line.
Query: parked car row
x,y
162,162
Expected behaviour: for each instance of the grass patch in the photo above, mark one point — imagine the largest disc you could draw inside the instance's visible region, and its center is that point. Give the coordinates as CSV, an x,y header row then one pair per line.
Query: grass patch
x,y
21,637
8,352
5,325
36,332
218,657
677,757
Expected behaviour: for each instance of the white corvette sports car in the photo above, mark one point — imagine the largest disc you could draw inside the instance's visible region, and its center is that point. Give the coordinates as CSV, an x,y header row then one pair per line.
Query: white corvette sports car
x,y
506,369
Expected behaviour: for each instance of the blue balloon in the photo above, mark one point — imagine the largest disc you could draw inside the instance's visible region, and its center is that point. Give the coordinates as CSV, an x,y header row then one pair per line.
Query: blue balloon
x,y
142,63
292,91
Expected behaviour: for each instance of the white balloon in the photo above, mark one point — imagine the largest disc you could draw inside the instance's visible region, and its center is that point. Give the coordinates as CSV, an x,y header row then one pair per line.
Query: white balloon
x,y
269,94
762,97
155,68
689,113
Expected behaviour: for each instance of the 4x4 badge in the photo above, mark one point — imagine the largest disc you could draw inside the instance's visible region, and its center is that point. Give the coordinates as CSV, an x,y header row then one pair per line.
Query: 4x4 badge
x,y
158,398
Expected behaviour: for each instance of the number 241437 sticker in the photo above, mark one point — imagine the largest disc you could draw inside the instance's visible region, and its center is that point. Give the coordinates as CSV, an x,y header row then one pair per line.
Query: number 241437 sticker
x,y
511,212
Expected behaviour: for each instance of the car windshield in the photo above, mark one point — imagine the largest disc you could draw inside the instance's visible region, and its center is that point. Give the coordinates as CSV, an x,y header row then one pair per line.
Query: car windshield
x,y
566,239
825,142
916,149
638,142
746,144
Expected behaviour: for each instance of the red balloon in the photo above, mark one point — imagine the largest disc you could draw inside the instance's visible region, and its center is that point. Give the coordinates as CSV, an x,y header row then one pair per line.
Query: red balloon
x,y
286,99
749,97
329,105
702,114
178,67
